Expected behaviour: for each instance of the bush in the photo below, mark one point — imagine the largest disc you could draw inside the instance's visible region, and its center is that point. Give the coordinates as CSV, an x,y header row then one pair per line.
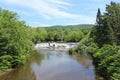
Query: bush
x,y
19,60
107,60
72,51
5,62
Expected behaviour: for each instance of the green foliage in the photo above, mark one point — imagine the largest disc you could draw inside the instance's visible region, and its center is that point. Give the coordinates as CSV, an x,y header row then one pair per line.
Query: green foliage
x,y
59,36
5,62
107,60
72,51
40,35
60,33
107,28
19,60
103,42
74,36
87,44
15,40
67,33
51,36
113,16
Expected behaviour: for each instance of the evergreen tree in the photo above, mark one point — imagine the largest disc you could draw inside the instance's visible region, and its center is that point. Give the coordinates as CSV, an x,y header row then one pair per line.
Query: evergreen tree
x,y
113,19
97,31
107,28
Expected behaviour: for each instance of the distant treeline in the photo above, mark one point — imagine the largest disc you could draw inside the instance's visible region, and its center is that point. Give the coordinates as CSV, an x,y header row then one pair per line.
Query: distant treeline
x,y
70,33
72,26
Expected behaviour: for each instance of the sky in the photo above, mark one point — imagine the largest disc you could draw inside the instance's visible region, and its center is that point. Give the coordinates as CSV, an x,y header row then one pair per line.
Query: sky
x,y
56,12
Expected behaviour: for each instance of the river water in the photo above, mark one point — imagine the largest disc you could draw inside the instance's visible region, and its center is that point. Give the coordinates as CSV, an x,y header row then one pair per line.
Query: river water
x,y
50,64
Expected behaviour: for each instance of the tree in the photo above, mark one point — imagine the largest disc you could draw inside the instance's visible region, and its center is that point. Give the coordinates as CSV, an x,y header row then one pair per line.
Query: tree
x,y
97,31
15,40
40,35
107,30
113,19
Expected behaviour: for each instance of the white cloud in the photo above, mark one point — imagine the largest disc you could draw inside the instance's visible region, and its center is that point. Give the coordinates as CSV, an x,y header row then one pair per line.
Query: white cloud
x,y
47,8
60,2
23,12
59,10
11,1
38,24
45,25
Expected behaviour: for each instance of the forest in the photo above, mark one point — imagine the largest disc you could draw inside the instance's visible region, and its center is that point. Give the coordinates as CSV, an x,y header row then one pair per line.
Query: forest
x,y
101,40
70,33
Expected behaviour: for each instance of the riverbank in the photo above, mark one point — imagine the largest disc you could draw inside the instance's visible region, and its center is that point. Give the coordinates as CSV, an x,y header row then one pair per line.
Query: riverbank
x,y
53,46
7,71
106,60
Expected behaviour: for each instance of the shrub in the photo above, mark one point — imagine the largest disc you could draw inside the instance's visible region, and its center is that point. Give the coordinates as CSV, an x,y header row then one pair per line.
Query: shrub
x,y
5,62
107,60
72,51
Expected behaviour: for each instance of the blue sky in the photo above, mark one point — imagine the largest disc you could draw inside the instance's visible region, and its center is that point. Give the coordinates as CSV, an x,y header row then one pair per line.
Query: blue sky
x,y
56,12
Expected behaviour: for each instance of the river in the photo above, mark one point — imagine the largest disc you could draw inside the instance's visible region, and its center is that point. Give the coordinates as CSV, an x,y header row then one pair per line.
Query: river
x,y
51,64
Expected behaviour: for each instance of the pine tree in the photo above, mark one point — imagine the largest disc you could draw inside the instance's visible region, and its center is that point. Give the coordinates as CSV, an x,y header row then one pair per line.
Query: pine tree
x,y
97,31
113,16
103,32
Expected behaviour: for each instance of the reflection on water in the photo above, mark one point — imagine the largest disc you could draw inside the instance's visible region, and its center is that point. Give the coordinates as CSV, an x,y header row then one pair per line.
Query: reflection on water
x,y
54,65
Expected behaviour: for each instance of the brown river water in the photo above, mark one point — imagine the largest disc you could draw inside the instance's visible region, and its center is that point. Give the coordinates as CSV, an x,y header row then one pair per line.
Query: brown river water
x,y
54,65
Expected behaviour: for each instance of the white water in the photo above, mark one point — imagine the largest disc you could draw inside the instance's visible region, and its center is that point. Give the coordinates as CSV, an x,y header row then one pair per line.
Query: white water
x,y
56,46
